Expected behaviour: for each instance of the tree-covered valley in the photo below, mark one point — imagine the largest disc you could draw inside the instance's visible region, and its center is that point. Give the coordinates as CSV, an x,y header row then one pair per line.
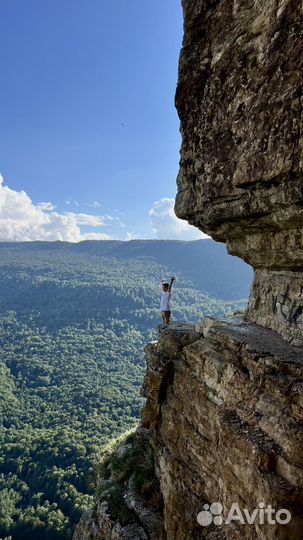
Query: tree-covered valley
x,y
74,319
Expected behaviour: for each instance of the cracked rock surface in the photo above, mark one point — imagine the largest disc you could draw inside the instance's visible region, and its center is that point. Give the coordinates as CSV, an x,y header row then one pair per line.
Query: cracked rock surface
x,y
225,415
239,99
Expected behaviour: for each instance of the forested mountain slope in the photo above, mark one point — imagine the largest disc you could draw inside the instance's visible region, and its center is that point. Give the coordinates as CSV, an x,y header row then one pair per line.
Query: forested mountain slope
x,y
73,322
203,263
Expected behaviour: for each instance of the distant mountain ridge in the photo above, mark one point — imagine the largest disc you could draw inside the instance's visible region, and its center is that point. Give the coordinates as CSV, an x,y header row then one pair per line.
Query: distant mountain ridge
x,y
204,263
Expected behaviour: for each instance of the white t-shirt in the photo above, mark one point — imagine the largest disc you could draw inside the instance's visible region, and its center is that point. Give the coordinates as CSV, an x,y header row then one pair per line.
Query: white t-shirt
x,y
165,301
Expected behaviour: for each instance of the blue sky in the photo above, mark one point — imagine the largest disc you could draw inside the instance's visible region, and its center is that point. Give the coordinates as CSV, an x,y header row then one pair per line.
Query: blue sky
x,y
88,122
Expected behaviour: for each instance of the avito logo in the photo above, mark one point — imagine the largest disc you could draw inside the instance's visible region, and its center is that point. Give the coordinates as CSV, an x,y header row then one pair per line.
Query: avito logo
x,y
262,514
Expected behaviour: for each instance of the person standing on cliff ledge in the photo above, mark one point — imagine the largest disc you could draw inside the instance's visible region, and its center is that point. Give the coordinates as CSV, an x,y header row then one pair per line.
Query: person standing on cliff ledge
x,y
165,300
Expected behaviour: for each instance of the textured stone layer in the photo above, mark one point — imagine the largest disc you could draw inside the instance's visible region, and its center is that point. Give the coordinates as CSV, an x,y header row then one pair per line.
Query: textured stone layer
x,y
239,99
276,301
98,525
225,412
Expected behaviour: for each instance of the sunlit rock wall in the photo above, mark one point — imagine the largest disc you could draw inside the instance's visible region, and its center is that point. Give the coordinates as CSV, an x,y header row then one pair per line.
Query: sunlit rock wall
x,y
239,99
225,414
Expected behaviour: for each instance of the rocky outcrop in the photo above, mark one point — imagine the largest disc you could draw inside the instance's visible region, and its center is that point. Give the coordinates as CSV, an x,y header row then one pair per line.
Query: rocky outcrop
x,y
225,414
98,524
225,400
128,500
239,98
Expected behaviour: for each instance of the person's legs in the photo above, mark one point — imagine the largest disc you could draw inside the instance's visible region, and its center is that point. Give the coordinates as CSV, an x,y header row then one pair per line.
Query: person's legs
x,y
163,317
167,316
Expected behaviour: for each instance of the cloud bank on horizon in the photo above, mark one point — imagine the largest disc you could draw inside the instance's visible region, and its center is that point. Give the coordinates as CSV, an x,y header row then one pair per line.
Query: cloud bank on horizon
x,y
23,220
167,226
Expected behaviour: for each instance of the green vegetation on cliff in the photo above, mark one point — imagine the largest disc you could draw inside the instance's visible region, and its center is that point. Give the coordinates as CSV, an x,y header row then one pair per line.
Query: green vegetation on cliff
x,y
73,323
127,465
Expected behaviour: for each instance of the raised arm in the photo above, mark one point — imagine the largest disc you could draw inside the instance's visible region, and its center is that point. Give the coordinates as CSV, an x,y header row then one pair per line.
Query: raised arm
x,y
172,279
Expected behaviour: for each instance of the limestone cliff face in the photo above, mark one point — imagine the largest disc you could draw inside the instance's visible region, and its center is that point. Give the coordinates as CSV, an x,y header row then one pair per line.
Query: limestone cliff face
x,y
239,98
225,413
225,403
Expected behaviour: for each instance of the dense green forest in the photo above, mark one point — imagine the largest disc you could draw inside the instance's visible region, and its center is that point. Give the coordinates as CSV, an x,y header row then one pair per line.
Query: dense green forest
x,y
74,319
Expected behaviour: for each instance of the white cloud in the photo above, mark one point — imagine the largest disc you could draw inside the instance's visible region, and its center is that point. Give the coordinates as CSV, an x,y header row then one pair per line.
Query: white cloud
x,y
132,236
22,220
94,204
118,221
69,201
96,236
167,226
87,219
46,206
